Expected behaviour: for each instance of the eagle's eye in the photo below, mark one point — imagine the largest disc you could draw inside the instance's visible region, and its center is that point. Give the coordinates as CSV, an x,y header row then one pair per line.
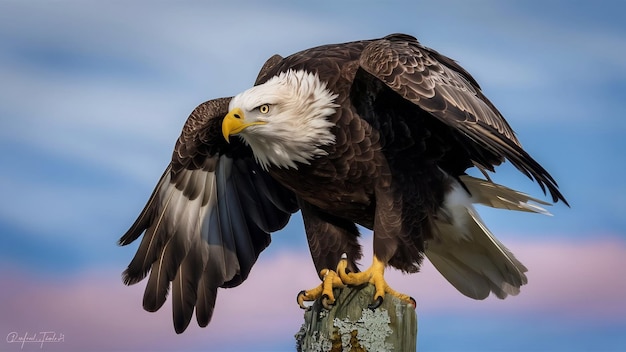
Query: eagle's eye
x,y
264,109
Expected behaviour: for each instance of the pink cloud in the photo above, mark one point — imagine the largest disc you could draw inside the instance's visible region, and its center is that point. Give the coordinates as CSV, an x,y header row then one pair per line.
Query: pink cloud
x,y
95,311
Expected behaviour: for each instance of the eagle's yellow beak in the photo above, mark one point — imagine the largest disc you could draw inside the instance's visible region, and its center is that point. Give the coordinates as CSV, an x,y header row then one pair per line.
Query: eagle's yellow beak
x,y
235,122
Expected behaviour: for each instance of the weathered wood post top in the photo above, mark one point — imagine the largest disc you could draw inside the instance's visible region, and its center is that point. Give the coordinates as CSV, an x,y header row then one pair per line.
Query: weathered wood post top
x,y
350,326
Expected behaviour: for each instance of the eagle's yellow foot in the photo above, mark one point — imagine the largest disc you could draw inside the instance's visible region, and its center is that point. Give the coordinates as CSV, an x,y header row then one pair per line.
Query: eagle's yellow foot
x,y
330,280
373,275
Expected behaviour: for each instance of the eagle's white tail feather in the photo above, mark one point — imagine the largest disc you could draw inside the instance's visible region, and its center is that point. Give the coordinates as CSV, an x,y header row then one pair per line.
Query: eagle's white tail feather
x,y
466,253
498,196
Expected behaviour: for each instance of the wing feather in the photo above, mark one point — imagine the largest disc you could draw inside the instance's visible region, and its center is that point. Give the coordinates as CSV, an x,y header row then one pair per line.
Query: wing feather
x,y
200,229
231,220
441,87
185,286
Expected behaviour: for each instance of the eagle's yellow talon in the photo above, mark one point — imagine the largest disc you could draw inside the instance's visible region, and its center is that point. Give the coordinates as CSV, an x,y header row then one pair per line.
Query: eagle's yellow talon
x,y
375,276
330,280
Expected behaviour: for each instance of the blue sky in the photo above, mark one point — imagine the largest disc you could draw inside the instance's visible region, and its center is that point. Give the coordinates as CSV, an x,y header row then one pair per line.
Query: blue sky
x,y
93,96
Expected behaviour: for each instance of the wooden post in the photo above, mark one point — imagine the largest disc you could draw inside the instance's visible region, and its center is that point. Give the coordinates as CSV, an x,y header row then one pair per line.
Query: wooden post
x,y
351,326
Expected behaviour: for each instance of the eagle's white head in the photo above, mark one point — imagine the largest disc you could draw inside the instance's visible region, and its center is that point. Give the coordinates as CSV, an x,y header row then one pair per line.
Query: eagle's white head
x,y
284,120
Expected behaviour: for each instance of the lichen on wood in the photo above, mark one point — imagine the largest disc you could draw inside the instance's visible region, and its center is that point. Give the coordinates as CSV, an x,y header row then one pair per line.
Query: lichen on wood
x,y
350,326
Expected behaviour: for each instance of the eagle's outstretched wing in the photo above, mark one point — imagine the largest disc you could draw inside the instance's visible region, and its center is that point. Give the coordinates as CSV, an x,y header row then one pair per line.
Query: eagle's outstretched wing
x,y
438,85
207,220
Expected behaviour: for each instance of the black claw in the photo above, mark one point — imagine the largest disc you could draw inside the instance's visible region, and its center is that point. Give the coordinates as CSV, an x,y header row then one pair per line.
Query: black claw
x,y
376,303
325,304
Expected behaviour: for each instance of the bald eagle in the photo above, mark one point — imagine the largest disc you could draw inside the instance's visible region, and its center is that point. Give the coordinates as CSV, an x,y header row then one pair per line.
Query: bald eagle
x,y
377,133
